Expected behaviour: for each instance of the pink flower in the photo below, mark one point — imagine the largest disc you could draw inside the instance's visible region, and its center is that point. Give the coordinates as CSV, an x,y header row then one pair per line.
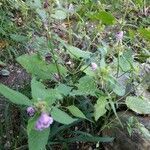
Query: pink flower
x,y
43,122
94,66
119,36
30,111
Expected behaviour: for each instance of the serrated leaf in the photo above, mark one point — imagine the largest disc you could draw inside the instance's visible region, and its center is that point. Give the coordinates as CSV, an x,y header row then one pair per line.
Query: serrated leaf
x,y
126,61
119,89
14,96
86,86
116,86
34,65
39,92
74,51
86,137
76,112
77,53
145,33
144,131
88,71
103,50
18,38
61,117
105,17
64,89
37,140
42,14
38,67
35,4
40,46
100,107
59,14
139,105
53,96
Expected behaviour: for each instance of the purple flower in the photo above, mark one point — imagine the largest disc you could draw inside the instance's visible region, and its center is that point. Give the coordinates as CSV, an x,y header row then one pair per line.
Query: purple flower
x,y
119,36
43,122
30,111
94,66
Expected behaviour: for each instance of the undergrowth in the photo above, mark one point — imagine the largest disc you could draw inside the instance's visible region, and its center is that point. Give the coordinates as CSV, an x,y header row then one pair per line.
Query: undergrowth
x,y
84,58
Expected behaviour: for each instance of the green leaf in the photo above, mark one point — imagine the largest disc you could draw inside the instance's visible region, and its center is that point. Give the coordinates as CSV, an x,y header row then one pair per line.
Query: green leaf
x,y
63,89
86,137
38,67
31,123
88,71
86,86
61,117
37,140
116,86
126,61
19,38
59,14
34,65
139,3
42,14
144,131
105,17
103,50
14,96
100,107
77,53
112,104
2,64
74,51
145,33
40,46
39,92
76,112
35,4
52,96
139,105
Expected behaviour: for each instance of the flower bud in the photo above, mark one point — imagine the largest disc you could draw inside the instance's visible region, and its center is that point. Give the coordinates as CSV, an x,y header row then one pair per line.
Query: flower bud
x,y
30,111
94,66
119,36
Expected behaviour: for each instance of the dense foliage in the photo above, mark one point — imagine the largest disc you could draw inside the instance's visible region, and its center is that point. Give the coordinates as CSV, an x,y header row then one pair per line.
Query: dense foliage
x,y
84,59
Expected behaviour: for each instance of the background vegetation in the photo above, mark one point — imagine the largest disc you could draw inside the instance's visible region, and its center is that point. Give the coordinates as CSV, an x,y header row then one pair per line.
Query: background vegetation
x,y
57,43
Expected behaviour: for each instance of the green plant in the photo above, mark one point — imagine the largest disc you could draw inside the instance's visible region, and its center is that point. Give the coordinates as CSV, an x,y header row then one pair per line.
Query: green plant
x,y
75,71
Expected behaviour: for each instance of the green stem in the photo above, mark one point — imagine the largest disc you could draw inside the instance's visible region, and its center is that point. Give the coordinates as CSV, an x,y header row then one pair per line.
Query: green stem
x,y
50,45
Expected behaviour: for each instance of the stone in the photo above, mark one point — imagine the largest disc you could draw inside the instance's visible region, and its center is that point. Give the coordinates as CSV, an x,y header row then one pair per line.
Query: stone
x,y
17,77
138,139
